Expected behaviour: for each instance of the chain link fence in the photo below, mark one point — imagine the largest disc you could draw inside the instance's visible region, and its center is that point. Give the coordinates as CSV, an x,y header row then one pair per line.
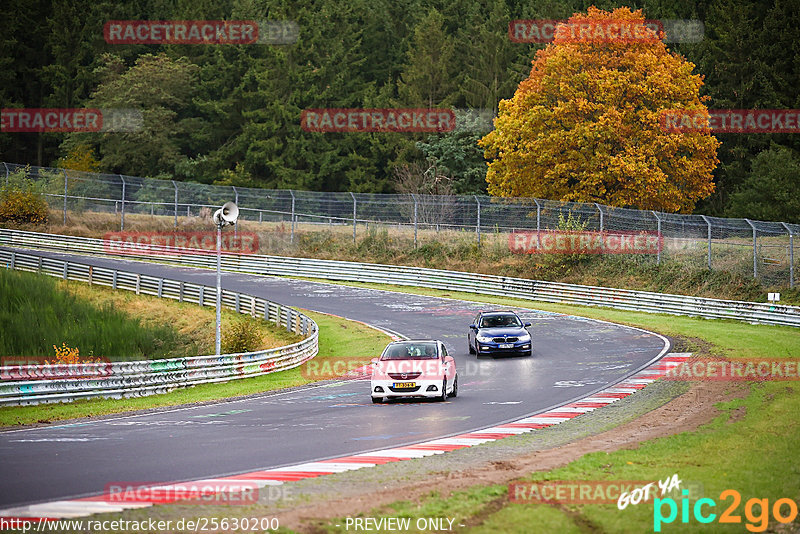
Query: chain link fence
x,y
764,250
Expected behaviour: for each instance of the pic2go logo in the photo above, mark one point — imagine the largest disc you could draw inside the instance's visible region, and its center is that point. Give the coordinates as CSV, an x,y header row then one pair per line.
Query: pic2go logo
x,y
757,522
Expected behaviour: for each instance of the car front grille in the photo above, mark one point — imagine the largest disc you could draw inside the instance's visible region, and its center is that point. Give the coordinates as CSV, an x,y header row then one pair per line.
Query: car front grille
x,y
505,339
404,376
403,390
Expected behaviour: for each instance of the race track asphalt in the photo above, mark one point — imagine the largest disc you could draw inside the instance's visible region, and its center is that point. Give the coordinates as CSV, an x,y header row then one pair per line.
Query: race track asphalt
x,y
572,358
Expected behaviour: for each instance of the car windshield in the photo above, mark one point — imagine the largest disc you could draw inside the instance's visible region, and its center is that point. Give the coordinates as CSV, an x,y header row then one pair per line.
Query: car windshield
x,y
411,351
495,321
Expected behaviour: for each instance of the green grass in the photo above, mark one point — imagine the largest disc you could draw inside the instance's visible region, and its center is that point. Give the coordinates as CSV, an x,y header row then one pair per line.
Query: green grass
x,y
339,338
37,314
755,454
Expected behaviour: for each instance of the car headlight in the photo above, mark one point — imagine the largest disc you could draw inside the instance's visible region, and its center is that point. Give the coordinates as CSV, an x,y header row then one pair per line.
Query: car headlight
x,y
525,337
483,339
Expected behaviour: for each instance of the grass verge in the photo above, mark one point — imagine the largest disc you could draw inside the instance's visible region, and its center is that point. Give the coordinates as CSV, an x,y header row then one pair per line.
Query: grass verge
x,y
38,312
338,338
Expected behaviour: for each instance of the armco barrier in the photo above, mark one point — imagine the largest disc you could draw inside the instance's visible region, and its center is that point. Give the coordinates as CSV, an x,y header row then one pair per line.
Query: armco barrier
x,y
482,284
34,384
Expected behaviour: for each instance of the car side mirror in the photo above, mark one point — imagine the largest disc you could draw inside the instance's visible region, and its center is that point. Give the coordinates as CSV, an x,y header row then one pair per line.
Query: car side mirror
x,y
527,325
374,360
473,326
449,359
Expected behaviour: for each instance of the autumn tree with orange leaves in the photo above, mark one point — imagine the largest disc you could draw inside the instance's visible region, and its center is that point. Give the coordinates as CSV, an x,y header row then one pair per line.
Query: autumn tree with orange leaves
x,y
584,126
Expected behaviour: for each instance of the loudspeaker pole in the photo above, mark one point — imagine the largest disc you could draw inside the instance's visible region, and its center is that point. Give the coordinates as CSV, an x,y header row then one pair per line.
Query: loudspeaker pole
x,y
224,216
219,290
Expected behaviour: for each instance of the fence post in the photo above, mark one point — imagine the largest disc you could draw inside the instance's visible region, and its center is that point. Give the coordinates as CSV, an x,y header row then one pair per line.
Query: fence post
x,y
755,250
791,254
6,166
354,216
122,217
291,239
235,201
660,239
415,219
66,183
708,223
478,225
538,223
596,205
176,202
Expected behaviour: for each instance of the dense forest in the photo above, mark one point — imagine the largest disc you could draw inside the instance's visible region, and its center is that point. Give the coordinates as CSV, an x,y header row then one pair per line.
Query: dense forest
x,y
230,114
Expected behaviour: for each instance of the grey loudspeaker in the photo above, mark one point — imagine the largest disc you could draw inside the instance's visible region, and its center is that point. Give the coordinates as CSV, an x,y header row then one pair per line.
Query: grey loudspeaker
x,y
227,214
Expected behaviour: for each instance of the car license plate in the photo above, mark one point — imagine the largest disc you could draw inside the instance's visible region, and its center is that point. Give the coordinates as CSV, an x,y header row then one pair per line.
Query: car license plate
x,y
506,346
404,385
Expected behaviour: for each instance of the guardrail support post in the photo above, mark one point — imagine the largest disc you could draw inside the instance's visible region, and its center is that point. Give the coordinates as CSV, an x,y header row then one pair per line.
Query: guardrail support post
x,y
415,219
114,280
13,260
122,217
201,296
291,239
66,182
354,216
660,240
708,223
755,249
66,270
236,201
478,225
180,292
791,254
176,202
599,209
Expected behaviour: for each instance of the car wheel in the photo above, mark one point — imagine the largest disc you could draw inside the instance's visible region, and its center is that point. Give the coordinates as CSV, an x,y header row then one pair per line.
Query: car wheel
x,y
443,396
377,400
469,346
529,353
454,393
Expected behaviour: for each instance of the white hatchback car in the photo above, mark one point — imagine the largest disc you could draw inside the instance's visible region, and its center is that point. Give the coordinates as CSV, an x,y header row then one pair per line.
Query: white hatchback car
x,y
414,368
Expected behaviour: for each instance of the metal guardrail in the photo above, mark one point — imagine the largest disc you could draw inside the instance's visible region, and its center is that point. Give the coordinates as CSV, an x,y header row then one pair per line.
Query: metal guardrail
x,y
482,284
34,384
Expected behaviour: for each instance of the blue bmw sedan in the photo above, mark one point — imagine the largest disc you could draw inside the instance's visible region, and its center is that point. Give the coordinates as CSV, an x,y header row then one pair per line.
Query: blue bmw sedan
x,y
499,333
